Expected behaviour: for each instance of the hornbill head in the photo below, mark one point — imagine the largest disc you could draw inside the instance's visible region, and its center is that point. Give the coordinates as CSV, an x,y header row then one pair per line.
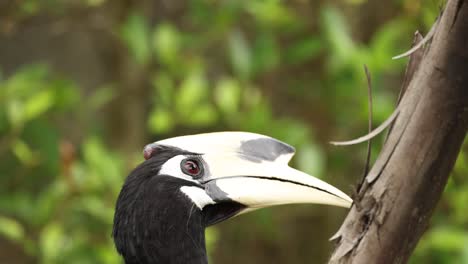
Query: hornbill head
x,y
190,182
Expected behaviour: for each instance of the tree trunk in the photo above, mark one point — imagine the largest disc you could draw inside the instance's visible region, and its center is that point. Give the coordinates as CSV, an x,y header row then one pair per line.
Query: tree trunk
x,y
393,207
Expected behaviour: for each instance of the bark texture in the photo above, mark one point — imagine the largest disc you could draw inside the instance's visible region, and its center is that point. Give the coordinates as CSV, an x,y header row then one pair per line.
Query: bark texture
x,y
393,206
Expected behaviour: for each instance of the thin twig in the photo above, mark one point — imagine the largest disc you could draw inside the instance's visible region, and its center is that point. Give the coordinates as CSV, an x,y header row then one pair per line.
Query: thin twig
x,y
429,35
369,142
413,64
370,135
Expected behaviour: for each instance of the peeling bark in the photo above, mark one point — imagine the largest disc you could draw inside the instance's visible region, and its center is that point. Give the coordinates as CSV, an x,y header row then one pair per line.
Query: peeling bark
x,y
394,205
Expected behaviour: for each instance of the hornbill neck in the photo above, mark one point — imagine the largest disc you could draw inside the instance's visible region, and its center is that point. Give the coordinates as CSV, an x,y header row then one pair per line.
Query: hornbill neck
x,y
156,223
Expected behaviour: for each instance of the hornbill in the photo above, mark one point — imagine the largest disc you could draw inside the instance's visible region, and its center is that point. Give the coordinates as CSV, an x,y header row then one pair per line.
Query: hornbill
x,y
190,182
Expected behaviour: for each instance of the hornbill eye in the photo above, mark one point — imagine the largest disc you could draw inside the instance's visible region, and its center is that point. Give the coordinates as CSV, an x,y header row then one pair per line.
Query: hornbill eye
x,y
191,167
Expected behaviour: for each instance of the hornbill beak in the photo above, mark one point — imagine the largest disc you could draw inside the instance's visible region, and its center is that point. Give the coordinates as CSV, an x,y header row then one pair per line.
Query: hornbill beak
x,y
266,183
252,170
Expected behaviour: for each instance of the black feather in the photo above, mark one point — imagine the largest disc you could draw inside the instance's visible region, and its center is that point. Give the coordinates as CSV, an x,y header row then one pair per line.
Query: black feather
x,y
150,222
155,222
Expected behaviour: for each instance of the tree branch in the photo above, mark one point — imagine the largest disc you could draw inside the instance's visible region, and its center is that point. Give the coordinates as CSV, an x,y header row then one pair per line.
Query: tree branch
x,y
394,205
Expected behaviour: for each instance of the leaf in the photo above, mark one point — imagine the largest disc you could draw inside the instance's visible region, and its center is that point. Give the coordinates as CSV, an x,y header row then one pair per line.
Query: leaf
x,y
304,50
251,96
310,159
50,242
448,238
26,81
356,2
23,152
108,254
38,104
240,56
386,43
461,164
227,95
192,92
96,208
271,13
464,256
166,43
336,31
212,237
202,115
164,87
135,34
19,204
11,229
266,54
95,3
15,112
47,202
66,94
383,107
101,96
258,119
103,166
160,121
43,138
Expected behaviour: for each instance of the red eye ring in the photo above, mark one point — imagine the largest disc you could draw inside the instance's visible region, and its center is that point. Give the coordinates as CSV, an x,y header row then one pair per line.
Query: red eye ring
x,y
191,167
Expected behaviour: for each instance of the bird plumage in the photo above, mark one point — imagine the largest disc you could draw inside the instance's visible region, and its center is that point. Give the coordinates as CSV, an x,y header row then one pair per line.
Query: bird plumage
x,y
189,183
146,232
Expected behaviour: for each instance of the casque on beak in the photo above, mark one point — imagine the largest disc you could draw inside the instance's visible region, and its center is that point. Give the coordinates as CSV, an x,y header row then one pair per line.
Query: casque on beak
x,y
253,170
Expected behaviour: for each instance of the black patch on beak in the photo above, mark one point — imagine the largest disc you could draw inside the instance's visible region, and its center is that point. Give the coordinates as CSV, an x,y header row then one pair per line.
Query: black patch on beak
x,y
260,149
215,192
215,213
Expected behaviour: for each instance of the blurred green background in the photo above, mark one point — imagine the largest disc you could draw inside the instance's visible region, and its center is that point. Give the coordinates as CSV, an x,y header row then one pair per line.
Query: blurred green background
x,y
85,84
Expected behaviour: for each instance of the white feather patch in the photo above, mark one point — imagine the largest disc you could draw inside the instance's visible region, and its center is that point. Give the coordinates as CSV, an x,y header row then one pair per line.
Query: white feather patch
x,y
197,195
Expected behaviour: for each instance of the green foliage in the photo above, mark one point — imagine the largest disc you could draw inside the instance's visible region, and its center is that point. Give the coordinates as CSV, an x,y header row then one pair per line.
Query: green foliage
x,y
69,203
166,43
240,56
11,229
227,94
273,67
447,239
135,33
